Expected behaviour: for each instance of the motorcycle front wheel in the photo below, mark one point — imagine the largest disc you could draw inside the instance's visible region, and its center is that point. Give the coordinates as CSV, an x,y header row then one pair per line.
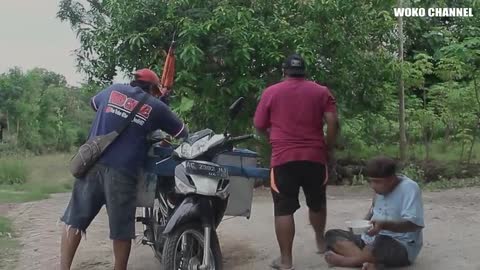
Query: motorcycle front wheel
x,y
183,249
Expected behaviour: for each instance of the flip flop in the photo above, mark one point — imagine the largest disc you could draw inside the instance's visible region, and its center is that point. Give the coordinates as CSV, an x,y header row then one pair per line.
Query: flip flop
x,y
275,264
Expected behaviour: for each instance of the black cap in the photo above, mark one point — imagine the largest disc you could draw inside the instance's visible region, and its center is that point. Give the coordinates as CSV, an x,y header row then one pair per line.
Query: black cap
x,y
294,65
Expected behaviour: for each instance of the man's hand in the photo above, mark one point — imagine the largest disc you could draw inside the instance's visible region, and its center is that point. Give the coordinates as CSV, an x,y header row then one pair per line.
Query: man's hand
x,y
264,132
164,91
331,161
399,227
377,226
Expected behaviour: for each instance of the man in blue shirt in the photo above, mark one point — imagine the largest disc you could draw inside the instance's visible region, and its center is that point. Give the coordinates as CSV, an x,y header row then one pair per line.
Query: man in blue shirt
x,y
112,181
395,238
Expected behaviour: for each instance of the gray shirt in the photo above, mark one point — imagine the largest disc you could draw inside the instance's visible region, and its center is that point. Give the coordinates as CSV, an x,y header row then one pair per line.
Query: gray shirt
x,y
404,203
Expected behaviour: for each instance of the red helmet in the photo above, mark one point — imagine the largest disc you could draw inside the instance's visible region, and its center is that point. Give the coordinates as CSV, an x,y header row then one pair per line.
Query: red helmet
x,y
147,75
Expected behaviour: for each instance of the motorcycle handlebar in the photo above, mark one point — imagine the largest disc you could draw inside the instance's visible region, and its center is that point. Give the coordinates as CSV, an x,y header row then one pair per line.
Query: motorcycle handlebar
x,y
240,138
230,141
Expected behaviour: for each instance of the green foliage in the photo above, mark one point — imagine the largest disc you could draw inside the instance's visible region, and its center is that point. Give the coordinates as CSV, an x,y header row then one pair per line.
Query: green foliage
x,y
235,48
47,174
413,171
5,226
8,245
231,48
452,183
43,113
12,171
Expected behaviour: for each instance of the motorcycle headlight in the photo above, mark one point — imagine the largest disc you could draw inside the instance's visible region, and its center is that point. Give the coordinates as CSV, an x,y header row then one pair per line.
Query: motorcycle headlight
x,y
183,188
183,185
188,151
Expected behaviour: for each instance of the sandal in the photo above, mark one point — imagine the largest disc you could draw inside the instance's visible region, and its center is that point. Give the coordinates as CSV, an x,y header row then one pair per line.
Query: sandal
x,y
276,264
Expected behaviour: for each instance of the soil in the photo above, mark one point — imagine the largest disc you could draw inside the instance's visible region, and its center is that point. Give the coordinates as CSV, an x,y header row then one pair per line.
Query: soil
x,y
450,237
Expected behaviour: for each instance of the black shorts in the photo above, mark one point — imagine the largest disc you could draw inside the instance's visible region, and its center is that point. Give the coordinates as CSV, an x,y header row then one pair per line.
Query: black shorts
x,y
286,181
385,249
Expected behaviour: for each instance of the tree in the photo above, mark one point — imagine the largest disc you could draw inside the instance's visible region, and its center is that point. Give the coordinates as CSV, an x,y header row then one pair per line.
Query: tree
x,y
46,114
234,48
3,125
401,89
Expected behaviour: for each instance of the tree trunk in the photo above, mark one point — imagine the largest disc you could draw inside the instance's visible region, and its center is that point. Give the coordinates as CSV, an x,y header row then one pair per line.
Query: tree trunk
x,y
461,154
427,144
8,121
447,138
472,145
401,90
477,95
477,126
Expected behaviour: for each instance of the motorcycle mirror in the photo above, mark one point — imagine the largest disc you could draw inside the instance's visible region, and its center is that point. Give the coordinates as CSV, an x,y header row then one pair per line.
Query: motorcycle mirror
x,y
236,107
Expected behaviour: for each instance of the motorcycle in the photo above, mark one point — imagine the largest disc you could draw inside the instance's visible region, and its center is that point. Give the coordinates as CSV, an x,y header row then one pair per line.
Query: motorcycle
x,y
197,183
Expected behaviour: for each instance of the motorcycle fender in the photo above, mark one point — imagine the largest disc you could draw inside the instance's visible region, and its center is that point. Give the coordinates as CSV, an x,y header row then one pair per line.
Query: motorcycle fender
x,y
192,208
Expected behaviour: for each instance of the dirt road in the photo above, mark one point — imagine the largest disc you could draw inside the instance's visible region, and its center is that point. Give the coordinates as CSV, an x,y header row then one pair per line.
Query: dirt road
x,y
451,236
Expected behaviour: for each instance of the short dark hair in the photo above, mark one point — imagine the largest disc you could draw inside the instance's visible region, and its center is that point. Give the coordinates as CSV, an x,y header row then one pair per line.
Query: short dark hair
x,y
381,167
146,86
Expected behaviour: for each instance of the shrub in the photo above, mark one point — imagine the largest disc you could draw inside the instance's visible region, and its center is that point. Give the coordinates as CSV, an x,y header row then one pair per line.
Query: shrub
x,y
12,171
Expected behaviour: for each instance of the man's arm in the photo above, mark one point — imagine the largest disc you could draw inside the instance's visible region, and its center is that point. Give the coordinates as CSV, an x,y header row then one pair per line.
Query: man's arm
x,y
370,211
100,98
264,132
93,103
261,120
400,226
332,129
331,118
169,122
393,226
369,215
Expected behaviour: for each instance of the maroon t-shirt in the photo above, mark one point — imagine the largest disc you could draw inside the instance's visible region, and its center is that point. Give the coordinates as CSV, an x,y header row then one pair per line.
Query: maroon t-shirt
x,y
292,111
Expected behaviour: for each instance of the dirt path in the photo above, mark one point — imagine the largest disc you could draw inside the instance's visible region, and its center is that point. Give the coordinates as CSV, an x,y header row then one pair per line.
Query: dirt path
x,y
451,236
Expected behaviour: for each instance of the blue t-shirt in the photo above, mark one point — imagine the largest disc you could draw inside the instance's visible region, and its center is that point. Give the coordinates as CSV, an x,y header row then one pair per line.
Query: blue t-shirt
x,y
404,203
113,105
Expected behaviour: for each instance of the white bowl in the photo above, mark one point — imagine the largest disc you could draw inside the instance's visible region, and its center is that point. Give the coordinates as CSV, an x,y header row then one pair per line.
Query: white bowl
x,y
358,226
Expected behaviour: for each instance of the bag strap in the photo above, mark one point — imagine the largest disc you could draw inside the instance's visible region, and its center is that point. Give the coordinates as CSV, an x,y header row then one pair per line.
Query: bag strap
x,y
133,113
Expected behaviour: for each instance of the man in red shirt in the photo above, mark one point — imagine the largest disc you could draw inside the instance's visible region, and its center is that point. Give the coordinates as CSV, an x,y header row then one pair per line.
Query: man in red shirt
x,y
292,113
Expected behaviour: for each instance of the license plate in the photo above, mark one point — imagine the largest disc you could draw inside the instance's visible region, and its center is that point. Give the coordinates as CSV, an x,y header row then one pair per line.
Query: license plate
x,y
206,169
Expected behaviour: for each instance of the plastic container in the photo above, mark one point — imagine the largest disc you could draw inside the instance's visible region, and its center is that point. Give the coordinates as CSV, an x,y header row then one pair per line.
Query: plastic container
x,y
239,162
359,226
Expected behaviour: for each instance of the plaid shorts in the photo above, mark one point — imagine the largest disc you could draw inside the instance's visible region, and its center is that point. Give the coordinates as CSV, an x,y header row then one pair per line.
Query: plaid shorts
x,y
385,249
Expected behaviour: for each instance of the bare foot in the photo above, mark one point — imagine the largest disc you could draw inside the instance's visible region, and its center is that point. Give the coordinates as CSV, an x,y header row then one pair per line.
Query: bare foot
x,y
371,266
277,264
334,259
321,246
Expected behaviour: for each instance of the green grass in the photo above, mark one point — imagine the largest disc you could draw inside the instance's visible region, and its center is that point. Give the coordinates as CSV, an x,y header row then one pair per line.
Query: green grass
x,y
8,196
34,178
12,171
440,151
452,183
46,175
5,226
8,245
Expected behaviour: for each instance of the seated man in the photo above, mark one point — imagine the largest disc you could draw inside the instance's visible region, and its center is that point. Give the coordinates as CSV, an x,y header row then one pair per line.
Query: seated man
x,y
395,238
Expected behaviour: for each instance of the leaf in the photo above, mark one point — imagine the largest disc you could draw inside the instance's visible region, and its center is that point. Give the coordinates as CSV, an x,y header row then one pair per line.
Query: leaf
x,y
186,105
